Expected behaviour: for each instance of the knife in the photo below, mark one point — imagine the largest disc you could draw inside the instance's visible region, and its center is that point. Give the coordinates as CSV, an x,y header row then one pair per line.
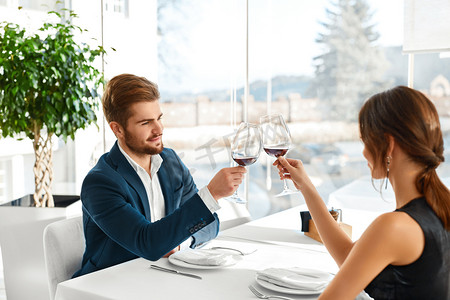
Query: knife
x,y
174,271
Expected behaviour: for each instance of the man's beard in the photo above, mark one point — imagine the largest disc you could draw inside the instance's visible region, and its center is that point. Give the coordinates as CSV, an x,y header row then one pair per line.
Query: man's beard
x,y
140,149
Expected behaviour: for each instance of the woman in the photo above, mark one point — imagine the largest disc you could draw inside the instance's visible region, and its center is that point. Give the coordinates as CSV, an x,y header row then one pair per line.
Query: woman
x,y
403,254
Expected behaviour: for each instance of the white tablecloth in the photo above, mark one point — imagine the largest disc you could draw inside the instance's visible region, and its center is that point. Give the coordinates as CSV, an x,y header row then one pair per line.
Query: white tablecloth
x,y
360,194
277,238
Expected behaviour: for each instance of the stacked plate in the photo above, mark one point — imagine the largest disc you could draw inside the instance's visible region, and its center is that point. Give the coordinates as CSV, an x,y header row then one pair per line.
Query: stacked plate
x,y
297,281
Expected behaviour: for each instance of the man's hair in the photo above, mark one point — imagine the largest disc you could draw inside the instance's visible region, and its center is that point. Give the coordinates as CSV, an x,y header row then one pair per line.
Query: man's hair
x,y
124,90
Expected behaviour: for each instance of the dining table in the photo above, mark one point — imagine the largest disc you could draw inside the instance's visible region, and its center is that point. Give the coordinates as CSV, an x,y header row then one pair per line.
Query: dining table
x,y
274,241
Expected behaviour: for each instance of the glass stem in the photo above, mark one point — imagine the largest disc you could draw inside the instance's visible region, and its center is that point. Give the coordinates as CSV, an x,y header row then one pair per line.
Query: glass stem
x,y
285,184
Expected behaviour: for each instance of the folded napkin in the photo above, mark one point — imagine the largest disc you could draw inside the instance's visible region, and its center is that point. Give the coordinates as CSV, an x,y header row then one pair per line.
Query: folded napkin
x,y
295,278
204,257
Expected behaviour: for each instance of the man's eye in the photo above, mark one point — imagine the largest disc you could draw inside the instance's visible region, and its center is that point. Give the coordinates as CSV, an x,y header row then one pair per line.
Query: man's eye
x,y
144,123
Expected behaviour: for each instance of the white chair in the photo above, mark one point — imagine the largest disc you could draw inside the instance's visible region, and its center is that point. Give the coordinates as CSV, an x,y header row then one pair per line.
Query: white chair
x,y
63,250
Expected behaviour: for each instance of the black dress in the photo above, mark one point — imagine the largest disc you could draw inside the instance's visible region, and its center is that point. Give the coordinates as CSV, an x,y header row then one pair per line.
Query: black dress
x,y
428,277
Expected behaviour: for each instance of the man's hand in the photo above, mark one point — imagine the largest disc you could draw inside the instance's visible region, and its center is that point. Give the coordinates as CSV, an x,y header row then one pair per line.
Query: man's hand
x,y
226,181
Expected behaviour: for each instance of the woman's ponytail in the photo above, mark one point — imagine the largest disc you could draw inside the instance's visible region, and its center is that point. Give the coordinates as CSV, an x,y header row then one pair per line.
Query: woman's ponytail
x,y
436,193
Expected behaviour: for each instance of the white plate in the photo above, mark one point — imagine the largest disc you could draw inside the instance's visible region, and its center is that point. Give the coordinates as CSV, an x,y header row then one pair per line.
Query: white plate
x,y
277,288
286,290
180,263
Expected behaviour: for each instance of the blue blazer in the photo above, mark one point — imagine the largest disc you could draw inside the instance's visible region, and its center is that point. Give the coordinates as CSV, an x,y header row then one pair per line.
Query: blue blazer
x,y
116,212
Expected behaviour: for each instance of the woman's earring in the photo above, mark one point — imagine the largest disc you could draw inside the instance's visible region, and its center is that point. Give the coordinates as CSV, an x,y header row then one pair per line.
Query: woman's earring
x,y
387,173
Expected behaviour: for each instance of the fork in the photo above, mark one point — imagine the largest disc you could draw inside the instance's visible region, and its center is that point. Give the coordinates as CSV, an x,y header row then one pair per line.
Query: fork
x,y
262,296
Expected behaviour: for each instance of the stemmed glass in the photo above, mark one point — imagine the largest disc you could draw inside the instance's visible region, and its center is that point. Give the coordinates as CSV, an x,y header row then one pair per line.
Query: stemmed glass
x,y
245,150
276,141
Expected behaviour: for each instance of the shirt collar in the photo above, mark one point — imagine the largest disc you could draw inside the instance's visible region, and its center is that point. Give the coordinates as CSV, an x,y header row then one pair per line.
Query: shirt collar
x,y
156,161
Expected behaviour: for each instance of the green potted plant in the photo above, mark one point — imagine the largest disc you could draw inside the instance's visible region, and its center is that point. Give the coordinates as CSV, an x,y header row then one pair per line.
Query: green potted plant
x,y
48,87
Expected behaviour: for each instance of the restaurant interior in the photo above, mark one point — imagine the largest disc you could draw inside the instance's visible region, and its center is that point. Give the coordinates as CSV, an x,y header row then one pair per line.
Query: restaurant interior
x,y
220,67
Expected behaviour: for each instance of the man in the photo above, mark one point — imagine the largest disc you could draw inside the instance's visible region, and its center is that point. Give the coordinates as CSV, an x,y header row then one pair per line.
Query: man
x,y
140,199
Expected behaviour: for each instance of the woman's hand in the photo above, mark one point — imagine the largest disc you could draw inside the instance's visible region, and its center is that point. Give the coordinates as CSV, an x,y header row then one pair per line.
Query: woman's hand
x,y
292,169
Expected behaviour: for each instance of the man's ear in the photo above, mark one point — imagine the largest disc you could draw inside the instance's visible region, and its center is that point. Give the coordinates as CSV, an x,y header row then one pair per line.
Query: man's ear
x,y
117,129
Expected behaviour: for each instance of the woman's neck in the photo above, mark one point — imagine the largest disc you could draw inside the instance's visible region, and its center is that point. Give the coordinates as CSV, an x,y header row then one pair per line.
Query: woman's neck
x,y
403,181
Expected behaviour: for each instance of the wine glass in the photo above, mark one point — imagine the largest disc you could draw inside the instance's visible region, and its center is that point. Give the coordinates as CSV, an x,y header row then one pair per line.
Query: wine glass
x,y
276,141
245,150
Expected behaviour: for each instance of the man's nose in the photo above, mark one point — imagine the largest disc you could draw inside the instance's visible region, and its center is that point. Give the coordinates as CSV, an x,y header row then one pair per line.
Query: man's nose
x,y
158,128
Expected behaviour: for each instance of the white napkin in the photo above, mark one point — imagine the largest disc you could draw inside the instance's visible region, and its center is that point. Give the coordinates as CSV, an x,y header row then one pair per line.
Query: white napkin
x,y
204,257
295,278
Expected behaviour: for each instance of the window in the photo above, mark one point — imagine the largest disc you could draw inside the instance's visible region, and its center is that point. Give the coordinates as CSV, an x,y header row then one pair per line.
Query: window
x,y
42,5
317,76
290,59
117,6
427,43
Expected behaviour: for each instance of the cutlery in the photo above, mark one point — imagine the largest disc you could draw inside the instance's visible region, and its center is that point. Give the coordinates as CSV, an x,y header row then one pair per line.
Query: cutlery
x,y
262,296
174,271
232,249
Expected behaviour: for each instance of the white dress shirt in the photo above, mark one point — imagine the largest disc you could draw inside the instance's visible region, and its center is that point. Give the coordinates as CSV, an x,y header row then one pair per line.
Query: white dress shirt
x,y
154,191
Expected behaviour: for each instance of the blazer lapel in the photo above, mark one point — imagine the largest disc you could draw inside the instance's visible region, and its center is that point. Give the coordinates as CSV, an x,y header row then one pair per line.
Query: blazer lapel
x,y
166,187
130,175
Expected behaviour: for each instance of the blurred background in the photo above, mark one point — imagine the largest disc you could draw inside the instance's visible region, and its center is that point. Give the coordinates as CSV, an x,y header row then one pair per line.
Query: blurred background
x,y
220,62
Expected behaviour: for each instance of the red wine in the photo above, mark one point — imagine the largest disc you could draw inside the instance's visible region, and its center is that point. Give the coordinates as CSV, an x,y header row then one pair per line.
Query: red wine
x,y
276,151
244,161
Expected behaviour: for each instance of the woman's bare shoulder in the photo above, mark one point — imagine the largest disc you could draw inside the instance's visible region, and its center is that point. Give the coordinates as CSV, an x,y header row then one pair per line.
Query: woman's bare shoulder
x,y
403,236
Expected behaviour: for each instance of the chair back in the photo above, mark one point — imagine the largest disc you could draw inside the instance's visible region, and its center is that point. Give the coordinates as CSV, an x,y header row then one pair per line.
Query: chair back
x,y
63,250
